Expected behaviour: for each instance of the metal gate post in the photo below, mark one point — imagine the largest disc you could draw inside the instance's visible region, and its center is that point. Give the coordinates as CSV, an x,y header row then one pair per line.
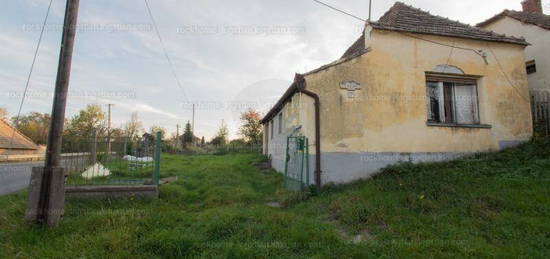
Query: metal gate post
x,y
301,143
287,157
156,173
307,162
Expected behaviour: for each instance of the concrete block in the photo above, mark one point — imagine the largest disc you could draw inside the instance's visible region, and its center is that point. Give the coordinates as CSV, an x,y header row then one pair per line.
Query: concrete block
x,y
112,191
35,187
46,201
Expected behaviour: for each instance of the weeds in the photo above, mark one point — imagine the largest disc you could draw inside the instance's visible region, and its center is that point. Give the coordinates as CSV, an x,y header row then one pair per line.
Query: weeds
x,y
487,205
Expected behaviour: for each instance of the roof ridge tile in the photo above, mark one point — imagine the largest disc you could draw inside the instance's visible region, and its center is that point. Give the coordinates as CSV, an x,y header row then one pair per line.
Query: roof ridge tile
x,y
403,17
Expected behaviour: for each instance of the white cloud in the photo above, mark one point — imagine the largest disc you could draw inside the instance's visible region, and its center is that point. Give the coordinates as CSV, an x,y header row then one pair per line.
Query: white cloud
x,y
217,66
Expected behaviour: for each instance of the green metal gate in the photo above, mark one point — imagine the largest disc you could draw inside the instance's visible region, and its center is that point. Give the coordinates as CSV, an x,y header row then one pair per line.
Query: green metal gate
x,y
297,163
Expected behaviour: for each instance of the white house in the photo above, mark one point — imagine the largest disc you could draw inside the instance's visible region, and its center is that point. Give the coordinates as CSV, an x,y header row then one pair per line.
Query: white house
x,y
533,25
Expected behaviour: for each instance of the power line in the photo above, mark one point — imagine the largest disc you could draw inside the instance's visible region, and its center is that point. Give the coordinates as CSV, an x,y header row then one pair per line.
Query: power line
x,y
506,76
340,10
478,52
164,50
30,72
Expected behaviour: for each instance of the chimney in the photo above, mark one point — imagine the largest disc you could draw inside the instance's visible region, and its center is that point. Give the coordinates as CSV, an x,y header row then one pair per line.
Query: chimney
x,y
532,6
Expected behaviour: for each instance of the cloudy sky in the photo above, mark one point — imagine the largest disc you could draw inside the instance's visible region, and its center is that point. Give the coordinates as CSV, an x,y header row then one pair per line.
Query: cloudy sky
x,y
228,55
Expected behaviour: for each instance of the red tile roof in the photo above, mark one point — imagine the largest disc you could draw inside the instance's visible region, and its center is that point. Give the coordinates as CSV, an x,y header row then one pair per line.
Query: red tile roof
x,y
405,18
537,19
20,141
356,47
402,17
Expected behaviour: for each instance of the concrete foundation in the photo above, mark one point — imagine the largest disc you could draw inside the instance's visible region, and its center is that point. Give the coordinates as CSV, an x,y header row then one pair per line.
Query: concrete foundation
x,y
338,168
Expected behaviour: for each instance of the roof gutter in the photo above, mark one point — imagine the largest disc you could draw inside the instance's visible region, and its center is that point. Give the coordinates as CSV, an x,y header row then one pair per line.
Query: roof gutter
x,y
299,86
302,89
284,99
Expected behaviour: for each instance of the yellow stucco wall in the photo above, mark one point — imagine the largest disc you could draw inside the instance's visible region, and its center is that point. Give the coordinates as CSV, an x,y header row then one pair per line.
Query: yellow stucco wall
x,y
389,113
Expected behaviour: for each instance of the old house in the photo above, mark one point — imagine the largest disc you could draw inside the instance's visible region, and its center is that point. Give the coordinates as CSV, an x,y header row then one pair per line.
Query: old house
x,y
534,26
414,87
21,144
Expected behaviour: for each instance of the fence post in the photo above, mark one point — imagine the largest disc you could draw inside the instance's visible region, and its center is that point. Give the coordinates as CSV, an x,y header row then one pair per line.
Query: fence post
x,y
546,109
156,173
125,150
93,152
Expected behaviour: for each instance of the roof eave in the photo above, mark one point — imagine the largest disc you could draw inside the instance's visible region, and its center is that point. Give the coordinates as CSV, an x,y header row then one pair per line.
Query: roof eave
x,y
298,85
386,28
492,19
509,14
292,89
18,148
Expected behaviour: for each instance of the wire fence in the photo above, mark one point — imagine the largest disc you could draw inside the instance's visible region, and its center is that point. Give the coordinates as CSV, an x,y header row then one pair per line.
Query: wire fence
x,y
540,107
111,162
209,149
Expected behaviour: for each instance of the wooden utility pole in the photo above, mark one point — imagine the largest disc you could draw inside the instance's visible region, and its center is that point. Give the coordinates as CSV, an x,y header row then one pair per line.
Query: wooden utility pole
x,y
46,202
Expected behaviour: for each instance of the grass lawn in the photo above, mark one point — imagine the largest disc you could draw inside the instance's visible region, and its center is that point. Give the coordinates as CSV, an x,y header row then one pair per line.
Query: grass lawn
x,y
489,205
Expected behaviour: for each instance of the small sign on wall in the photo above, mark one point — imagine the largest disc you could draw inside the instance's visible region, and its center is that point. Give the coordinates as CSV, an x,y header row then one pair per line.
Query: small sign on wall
x,y
351,87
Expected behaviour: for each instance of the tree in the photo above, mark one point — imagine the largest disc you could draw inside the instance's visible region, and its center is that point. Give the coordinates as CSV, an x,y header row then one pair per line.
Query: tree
x,y
34,125
187,134
202,141
118,133
155,129
133,127
251,129
86,121
221,135
237,142
4,113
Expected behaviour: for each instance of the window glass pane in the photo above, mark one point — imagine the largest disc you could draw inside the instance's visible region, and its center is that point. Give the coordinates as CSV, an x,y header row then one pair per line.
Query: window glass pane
x,y
448,97
531,67
433,101
465,104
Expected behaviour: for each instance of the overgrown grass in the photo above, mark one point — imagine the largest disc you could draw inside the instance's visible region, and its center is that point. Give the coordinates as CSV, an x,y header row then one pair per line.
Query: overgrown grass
x,y
489,205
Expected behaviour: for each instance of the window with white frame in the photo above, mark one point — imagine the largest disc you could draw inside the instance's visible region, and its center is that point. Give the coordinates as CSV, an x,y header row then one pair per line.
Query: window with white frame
x,y
452,99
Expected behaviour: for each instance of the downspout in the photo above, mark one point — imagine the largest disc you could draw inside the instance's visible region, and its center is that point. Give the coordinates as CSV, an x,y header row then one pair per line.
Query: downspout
x,y
302,88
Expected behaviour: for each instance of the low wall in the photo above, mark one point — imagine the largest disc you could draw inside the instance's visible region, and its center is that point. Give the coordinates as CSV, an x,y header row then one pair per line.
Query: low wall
x,y
347,167
342,167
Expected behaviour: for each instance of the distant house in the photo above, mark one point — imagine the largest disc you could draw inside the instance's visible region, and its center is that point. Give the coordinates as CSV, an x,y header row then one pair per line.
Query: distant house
x,y
414,87
534,26
21,144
